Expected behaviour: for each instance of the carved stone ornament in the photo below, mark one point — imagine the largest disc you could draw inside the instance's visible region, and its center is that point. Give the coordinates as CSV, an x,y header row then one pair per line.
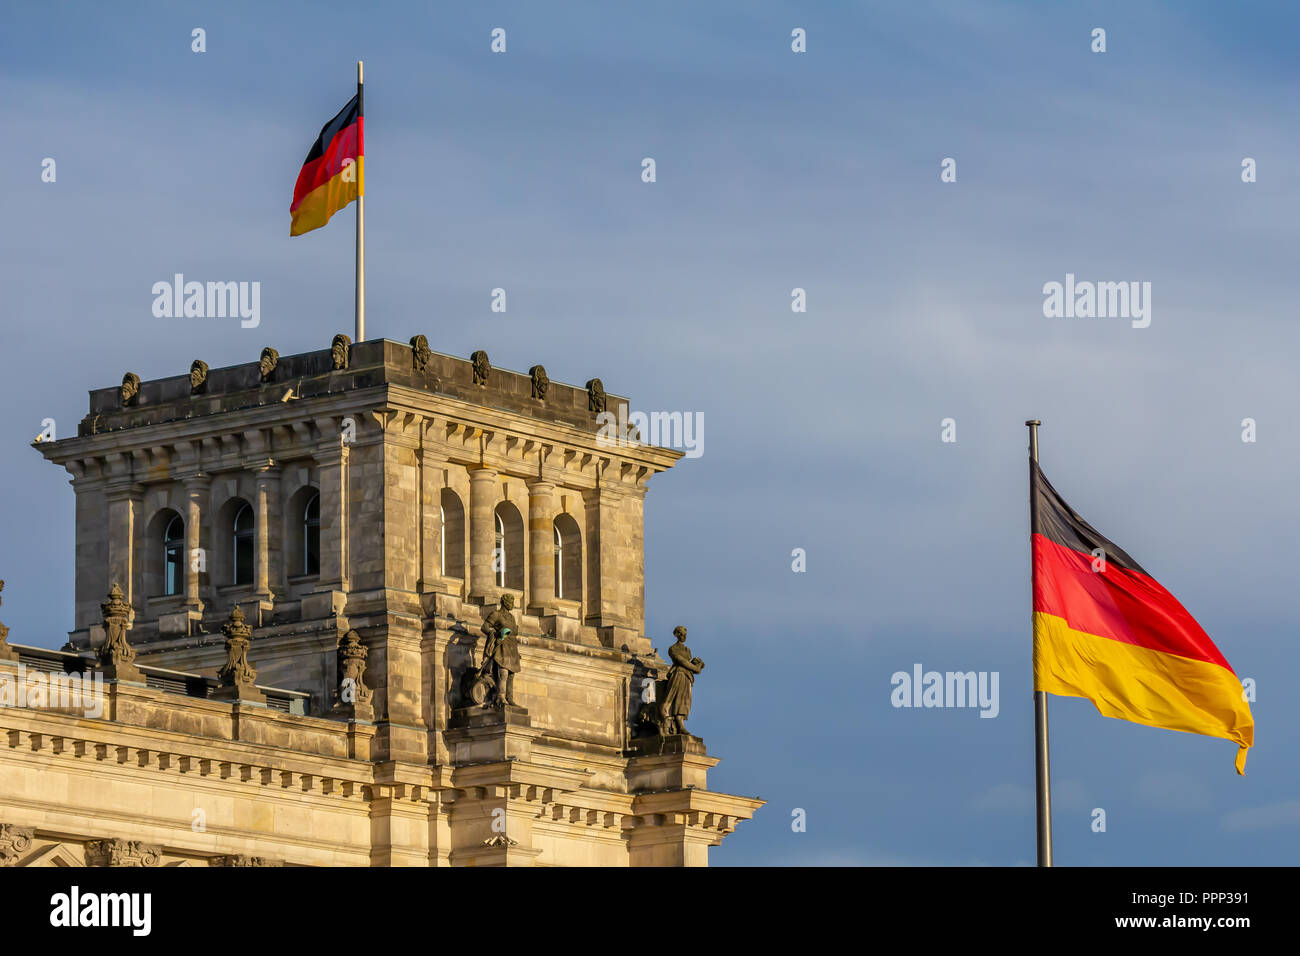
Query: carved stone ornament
x,y
14,842
540,382
482,367
341,352
420,353
130,389
267,363
115,650
595,396
198,377
239,859
117,852
352,669
237,672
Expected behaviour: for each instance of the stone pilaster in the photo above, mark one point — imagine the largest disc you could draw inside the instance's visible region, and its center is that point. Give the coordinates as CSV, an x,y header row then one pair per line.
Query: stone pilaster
x,y
332,460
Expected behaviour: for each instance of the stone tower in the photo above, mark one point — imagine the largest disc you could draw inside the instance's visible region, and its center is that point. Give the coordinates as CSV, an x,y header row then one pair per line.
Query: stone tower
x,y
353,515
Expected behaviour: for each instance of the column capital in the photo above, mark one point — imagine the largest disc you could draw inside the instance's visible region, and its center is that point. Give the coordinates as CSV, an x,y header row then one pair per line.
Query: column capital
x,y
122,489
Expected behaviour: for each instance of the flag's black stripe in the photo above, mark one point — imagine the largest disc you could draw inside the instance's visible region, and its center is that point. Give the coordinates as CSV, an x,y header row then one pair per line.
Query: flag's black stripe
x,y
1059,523
347,116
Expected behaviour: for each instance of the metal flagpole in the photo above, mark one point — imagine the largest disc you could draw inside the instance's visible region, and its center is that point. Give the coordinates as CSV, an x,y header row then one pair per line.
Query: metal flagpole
x,y
361,225
1042,757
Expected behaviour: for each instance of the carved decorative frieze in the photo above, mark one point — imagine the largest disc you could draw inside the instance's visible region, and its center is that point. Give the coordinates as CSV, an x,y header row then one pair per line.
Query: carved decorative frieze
x,y
14,842
239,859
115,852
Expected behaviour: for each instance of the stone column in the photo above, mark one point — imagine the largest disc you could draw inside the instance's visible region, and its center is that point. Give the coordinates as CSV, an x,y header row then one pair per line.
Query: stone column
x,y
266,535
541,547
125,499
197,488
482,535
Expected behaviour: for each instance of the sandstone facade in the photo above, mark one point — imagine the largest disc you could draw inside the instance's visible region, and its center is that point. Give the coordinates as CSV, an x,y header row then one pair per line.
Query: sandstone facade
x,y
393,496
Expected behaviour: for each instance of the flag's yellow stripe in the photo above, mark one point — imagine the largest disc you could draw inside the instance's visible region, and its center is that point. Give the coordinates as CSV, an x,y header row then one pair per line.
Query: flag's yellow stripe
x,y
328,198
1142,685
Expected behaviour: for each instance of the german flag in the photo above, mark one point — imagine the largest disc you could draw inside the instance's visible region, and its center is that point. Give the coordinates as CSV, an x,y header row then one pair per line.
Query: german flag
x,y
334,172
1106,630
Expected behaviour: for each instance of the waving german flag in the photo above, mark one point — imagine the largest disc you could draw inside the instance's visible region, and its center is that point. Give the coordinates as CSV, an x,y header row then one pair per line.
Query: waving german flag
x,y
334,172
1106,630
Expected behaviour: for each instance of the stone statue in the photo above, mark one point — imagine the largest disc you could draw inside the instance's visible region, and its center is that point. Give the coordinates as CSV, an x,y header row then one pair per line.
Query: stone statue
x,y
482,367
130,388
270,359
676,704
501,653
237,672
595,396
198,376
420,353
115,650
341,351
540,382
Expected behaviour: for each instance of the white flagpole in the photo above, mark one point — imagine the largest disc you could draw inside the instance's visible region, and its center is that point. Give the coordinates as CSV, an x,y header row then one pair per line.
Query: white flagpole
x,y
361,229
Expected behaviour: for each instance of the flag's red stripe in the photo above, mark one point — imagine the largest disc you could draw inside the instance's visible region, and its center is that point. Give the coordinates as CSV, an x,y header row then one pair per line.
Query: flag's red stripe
x,y
348,143
1117,603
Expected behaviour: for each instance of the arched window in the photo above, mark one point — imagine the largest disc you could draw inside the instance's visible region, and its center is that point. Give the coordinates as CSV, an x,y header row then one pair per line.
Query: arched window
x,y
442,543
173,556
508,556
568,558
499,553
559,563
311,536
242,549
453,534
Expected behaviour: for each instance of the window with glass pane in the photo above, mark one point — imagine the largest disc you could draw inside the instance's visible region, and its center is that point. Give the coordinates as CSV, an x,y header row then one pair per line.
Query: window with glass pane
x,y
243,546
311,537
173,555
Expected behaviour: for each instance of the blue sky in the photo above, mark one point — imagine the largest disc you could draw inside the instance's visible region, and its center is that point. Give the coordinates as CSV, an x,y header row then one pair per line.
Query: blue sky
x,y
775,170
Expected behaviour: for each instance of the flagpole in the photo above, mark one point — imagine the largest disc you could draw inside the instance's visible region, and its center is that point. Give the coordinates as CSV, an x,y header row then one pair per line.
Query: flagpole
x,y
361,227
1042,756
